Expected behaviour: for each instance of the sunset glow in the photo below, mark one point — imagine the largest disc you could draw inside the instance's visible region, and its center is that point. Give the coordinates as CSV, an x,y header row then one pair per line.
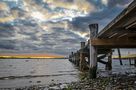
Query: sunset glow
x,y
30,56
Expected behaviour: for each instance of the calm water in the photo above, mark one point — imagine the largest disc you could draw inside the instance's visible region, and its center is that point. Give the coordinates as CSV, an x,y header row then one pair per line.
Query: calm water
x,y
27,72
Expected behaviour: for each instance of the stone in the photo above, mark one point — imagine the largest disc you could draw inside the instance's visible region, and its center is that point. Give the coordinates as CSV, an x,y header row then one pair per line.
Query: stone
x,y
54,88
63,86
38,81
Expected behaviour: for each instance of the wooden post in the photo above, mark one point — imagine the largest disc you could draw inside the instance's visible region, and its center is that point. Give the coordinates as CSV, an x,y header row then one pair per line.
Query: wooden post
x,y
70,58
109,64
72,54
130,61
82,57
82,45
119,56
77,58
89,58
74,58
93,51
135,62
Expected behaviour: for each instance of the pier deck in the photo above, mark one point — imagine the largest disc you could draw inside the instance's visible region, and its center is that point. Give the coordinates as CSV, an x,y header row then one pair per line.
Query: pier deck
x,y
119,33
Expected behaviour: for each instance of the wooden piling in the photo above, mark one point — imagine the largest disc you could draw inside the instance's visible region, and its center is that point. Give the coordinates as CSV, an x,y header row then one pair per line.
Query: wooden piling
x,y
130,61
109,63
93,62
93,51
135,62
77,58
119,56
82,57
72,58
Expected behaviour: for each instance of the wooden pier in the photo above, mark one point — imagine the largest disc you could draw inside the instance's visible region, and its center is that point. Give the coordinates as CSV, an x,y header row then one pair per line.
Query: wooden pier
x,y
119,33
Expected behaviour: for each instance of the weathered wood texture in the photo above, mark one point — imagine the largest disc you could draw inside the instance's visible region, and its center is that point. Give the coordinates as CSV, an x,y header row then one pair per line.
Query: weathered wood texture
x,y
114,43
93,51
126,20
82,57
109,63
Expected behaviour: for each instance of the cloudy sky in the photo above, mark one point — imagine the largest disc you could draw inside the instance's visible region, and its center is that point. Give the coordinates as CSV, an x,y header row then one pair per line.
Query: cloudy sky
x,y
52,26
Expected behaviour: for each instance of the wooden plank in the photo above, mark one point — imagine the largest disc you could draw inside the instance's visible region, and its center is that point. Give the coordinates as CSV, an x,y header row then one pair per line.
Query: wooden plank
x,y
124,19
114,43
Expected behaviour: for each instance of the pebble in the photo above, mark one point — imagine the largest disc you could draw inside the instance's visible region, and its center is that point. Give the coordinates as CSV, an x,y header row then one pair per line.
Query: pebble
x,y
38,81
116,82
54,88
30,81
63,86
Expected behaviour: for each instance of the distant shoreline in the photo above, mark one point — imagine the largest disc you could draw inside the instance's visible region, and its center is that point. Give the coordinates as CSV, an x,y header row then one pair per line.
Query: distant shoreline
x,y
11,57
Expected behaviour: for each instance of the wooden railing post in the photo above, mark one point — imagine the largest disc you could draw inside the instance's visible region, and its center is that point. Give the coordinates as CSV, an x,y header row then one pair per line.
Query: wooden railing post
x,y
93,51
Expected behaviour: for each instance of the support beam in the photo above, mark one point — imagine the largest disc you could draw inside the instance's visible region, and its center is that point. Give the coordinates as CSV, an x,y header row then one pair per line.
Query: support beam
x,y
93,52
103,62
99,59
120,59
114,43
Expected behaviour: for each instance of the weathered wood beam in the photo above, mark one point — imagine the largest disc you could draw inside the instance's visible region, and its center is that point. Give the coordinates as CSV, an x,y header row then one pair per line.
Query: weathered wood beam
x,y
82,57
114,43
103,62
124,19
93,52
77,58
109,64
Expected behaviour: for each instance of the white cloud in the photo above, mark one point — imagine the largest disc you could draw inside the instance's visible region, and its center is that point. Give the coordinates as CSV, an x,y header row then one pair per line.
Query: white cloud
x,y
105,2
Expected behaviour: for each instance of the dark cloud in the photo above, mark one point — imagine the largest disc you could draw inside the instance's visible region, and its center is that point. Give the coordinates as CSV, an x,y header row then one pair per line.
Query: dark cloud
x,y
115,3
7,44
102,17
27,34
6,31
